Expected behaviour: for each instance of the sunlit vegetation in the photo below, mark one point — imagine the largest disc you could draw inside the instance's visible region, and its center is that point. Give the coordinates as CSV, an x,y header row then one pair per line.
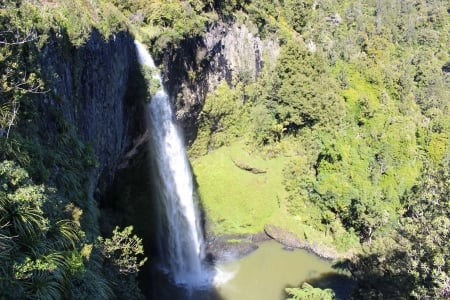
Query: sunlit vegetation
x,y
350,127
357,111
309,292
50,244
223,186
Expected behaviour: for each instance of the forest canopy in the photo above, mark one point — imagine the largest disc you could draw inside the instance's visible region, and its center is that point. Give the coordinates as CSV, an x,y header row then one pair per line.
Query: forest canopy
x,y
357,105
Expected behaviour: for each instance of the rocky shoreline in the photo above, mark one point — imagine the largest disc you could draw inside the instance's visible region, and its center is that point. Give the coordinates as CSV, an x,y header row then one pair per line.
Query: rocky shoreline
x,y
230,247
291,240
233,246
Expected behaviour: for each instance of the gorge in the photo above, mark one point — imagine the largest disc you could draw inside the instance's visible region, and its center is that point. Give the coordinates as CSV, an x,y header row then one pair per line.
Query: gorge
x,y
179,236
323,125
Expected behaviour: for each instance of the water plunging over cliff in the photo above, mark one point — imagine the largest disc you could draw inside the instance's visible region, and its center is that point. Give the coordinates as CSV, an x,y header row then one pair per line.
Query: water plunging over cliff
x,y
179,235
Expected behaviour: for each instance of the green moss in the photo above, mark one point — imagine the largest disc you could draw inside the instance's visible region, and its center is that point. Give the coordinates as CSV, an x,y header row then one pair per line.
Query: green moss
x,y
361,96
438,146
238,201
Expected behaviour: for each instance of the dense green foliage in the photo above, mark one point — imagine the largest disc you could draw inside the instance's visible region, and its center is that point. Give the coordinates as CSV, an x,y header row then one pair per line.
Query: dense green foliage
x,y
357,104
44,252
167,22
355,111
50,246
413,261
308,292
38,250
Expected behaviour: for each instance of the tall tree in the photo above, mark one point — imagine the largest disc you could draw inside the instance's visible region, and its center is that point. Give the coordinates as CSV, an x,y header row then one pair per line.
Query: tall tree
x,y
415,261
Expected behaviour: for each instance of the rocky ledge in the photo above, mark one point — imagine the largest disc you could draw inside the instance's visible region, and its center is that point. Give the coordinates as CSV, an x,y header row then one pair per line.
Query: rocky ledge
x,y
291,240
230,247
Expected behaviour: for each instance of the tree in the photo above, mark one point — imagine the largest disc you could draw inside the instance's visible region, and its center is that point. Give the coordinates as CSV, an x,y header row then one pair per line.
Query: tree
x,y
426,226
297,13
300,97
414,261
16,79
124,250
308,292
124,255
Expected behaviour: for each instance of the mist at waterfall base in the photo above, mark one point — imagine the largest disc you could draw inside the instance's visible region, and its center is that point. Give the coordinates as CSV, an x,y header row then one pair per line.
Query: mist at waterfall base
x,y
179,270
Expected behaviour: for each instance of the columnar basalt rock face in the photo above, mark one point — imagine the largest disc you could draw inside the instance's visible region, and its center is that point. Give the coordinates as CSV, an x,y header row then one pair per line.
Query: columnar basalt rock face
x,y
227,52
89,87
93,87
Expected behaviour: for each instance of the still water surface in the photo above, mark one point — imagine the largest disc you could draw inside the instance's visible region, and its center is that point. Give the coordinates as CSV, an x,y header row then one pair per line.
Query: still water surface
x,y
265,274
262,275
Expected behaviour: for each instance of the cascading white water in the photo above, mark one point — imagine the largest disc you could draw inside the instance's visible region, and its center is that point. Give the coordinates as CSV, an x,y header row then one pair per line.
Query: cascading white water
x,y
179,237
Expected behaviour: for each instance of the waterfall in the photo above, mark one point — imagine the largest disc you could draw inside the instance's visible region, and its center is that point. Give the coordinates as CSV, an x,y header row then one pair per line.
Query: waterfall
x,y
179,236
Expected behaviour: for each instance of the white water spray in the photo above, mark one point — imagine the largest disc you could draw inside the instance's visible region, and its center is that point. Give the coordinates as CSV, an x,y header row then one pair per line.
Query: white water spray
x,y
180,237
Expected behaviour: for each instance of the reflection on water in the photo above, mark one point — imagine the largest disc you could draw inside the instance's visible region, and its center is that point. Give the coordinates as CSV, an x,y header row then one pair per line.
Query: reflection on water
x,y
263,275
340,283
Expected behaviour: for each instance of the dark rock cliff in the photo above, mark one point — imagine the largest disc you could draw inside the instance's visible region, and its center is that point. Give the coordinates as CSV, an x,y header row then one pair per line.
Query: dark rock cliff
x,y
193,68
92,87
98,90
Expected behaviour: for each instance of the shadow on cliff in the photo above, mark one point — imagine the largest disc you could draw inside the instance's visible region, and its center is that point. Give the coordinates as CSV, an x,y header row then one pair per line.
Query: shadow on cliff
x,y
154,283
130,200
133,203
124,198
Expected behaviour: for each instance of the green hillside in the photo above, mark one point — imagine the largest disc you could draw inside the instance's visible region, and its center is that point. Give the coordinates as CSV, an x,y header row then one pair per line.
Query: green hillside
x,y
343,141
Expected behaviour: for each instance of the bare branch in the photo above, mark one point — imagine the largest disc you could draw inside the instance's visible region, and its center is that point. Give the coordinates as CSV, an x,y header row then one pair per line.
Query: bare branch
x,y
17,37
14,79
15,110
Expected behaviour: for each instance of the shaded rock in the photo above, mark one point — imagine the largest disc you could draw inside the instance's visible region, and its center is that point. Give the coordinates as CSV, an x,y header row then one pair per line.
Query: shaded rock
x,y
92,87
291,240
284,237
229,250
234,246
260,237
245,167
286,248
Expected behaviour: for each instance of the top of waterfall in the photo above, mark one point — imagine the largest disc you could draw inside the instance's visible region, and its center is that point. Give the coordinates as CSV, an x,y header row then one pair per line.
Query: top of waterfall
x,y
144,56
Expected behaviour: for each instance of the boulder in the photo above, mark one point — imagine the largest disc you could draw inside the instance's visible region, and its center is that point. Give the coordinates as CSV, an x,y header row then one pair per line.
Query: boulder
x,y
291,240
284,237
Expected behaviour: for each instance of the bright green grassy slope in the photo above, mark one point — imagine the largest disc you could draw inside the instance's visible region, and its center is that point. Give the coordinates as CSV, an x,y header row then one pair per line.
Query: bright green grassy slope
x,y
235,200
240,202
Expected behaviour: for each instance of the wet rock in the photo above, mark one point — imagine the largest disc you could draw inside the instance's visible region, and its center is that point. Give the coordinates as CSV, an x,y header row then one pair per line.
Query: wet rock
x,y
283,236
291,240
286,248
260,237
231,247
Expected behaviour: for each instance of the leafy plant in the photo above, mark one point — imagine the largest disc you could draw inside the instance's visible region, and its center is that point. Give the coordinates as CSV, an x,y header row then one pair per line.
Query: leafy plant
x,y
308,292
35,249
123,250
